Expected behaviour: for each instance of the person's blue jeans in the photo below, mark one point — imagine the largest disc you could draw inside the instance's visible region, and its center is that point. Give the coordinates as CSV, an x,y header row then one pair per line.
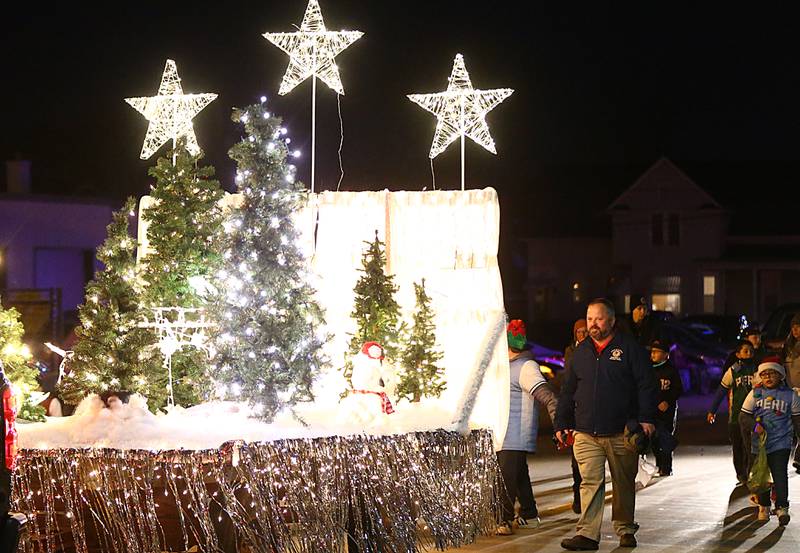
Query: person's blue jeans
x,y
778,462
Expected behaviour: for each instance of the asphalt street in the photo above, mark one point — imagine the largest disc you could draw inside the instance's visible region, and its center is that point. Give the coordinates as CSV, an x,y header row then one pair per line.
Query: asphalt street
x,y
698,509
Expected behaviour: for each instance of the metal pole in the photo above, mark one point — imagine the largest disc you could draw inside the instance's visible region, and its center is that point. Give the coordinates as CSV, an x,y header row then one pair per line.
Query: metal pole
x,y
313,125
171,399
462,143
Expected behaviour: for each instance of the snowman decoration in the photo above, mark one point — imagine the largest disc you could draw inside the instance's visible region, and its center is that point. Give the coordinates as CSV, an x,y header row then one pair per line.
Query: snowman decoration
x,y
367,404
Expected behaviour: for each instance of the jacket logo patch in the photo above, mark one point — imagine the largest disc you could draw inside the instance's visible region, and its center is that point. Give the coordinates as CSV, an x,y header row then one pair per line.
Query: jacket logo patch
x,y
616,354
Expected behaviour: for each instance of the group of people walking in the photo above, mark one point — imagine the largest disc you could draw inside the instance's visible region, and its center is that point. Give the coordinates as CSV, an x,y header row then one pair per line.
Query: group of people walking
x,y
763,412
616,403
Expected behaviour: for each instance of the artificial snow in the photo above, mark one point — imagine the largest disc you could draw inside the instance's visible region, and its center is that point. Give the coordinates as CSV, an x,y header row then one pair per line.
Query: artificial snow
x,y
209,425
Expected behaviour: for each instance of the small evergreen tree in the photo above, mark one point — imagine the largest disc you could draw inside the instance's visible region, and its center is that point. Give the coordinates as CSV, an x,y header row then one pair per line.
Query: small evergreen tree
x,y
14,356
421,377
112,352
268,346
375,310
184,224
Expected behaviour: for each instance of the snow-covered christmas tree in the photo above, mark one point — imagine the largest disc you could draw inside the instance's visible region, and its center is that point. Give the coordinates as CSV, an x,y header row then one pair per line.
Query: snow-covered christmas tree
x,y
269,336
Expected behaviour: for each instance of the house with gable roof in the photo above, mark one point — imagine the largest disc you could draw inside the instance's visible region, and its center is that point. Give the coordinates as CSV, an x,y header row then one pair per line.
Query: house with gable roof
x,y
671,242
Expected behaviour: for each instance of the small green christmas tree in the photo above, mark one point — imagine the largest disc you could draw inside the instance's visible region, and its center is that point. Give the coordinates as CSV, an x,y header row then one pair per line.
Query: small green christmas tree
x,y
268,346
421,377
185,222
14,356
113,353
375,310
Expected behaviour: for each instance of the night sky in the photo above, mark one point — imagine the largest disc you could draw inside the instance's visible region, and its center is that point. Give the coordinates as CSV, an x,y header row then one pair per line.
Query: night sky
x,y
601,93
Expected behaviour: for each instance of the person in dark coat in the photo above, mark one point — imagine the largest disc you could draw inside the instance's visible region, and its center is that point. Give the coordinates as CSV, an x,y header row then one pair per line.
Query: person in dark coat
x,y
790,359
608,400
579,334
640,323
670,389
751,334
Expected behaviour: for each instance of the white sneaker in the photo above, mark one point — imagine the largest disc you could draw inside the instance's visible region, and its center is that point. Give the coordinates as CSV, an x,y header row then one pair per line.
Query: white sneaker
x,y
783,516
763,513
504,529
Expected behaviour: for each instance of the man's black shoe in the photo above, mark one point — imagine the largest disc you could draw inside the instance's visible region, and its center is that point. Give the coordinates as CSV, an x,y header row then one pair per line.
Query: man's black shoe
x,y
627,540
579,543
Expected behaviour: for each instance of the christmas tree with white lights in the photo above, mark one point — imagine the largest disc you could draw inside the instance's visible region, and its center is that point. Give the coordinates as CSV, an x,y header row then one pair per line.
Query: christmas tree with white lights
x,y
421,377
185,222
113,353
14,362
269,344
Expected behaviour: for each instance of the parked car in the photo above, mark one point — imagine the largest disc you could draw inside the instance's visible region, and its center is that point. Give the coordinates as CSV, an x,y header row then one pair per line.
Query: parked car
x,y
724,330
551,362
662,315
699,362
778,326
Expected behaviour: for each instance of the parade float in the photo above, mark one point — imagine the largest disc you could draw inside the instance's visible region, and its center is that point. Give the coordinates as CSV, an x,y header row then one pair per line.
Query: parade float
x,y
278,369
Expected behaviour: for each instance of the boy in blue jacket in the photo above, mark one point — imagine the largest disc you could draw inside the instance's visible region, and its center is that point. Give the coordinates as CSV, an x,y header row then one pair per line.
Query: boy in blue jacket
x,y
773,408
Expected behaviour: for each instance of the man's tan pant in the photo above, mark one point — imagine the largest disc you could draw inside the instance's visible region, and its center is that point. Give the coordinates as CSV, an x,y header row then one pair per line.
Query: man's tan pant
x,y
592,452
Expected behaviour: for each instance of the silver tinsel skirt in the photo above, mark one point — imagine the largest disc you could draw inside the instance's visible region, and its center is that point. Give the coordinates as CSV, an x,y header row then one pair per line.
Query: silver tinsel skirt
x,y
361,493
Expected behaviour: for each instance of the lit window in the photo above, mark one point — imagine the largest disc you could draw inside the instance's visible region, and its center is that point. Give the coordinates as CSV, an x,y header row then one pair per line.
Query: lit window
x,y
709,293
667,302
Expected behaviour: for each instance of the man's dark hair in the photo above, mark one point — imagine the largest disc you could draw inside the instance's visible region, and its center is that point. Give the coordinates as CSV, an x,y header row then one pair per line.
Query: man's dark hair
x,y
606,303
745,343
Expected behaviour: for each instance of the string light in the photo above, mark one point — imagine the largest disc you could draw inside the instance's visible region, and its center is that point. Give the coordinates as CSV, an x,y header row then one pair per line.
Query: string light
x,y
176,328
461,110
170,113
312,50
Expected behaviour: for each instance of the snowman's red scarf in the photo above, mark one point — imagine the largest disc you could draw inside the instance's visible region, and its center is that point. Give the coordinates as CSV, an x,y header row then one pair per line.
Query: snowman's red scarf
x,y
386,404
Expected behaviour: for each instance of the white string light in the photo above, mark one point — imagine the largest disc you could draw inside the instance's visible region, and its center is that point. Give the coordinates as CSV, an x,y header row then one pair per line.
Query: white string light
x,y
461,111
178,327
170,113
312,50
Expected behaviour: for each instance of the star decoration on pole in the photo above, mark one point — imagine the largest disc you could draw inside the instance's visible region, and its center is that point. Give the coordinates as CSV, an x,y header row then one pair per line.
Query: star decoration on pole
x,y
461,110
170,113
312,50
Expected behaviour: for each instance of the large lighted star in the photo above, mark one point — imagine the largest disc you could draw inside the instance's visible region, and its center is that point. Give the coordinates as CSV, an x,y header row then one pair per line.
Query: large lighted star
x,y
170,113
312,50
461,110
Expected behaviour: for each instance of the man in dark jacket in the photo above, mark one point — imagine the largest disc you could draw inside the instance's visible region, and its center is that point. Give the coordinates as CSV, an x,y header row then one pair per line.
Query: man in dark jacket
x,y
609,394
641,324
579,334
